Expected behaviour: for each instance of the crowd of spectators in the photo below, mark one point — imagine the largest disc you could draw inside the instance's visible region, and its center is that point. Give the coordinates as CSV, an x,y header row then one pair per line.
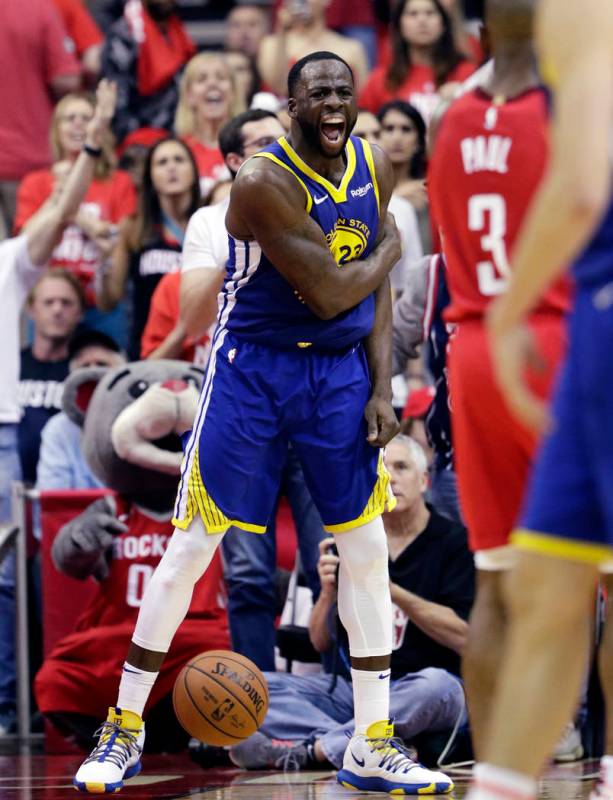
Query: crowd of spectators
x,y
135,272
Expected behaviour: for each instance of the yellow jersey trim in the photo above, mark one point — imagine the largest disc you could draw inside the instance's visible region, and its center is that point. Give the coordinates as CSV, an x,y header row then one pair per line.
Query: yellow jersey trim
x,y
379,501
339,195
559,547
200,502
371,167
278,161
549,73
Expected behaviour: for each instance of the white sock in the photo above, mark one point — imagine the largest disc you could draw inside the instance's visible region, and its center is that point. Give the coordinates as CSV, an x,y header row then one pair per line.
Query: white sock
x,y
371,697
134,688
495,783
606,777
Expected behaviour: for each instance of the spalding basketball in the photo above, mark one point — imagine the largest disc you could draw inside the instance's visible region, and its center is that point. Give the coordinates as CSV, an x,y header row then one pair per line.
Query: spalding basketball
x,y
220,697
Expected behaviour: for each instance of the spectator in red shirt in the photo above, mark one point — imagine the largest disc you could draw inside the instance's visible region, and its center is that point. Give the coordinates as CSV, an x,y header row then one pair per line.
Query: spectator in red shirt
x,y
85,34
165,334
88,241
36,64
356,19
424,58
207,100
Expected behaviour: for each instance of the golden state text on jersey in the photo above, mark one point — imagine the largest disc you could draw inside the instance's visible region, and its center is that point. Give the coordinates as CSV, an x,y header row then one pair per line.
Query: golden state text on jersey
x,y
257,303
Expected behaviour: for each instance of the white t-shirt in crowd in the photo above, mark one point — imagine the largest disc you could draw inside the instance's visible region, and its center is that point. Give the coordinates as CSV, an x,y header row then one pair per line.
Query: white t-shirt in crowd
x,y
410,240
17,276
206,240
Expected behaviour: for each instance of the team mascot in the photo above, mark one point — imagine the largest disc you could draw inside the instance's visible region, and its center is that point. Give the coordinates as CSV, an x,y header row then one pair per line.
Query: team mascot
x,y
132,418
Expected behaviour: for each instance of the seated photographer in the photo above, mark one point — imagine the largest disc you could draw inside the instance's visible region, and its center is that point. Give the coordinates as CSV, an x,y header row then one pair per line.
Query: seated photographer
x,y
432,586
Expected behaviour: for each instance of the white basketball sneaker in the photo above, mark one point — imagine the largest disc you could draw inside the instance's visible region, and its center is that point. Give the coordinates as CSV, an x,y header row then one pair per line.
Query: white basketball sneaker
x,y
116,756
379,763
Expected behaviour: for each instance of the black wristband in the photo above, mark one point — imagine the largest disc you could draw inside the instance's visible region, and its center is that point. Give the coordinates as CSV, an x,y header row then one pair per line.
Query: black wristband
x,y
94,152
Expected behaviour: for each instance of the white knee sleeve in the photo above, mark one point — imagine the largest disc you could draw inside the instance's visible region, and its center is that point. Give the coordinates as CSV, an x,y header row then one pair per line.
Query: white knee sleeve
x,y
364,603
169,592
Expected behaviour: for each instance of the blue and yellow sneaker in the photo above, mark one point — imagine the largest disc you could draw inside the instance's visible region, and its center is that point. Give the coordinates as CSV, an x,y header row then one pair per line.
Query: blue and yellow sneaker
x,y
116,757
379,763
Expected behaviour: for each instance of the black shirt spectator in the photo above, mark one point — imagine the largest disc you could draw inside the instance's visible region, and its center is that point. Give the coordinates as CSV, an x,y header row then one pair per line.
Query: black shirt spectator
x,y
436,566
144,53
40,397
55,306
147,267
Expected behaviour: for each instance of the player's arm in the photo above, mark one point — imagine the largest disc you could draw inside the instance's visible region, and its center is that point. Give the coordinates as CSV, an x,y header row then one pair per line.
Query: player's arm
x,y
379,413
268,204
575,41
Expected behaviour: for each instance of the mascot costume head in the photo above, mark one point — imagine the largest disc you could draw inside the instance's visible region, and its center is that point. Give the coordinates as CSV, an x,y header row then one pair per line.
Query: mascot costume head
x,y
133,418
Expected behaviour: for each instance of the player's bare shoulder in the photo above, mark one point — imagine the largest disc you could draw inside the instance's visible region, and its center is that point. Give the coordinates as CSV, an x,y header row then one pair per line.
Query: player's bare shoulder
x,y
262,190
566,31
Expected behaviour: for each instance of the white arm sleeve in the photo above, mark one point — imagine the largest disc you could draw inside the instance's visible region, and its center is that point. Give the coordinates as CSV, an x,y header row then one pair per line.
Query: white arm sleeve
x,y
206,239
14,255
412,250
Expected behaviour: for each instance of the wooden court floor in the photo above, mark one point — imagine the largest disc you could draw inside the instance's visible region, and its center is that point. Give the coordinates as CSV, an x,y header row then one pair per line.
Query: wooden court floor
x,y
40,777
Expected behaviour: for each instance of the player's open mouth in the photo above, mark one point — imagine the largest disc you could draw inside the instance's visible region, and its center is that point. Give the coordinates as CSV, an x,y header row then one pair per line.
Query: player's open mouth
x,y
333,130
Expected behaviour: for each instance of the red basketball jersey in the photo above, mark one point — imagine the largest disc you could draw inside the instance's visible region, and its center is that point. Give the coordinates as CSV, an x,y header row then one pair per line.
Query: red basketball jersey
x,y
136,554
82,672
488,161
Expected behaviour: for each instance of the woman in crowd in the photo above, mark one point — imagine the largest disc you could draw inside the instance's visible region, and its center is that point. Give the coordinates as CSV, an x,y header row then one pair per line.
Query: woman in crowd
x,y
150,242
403,137
424,58
207,100
111,198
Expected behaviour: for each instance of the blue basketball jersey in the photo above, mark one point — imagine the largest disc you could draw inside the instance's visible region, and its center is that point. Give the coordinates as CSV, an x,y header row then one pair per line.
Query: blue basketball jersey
x,y
259,305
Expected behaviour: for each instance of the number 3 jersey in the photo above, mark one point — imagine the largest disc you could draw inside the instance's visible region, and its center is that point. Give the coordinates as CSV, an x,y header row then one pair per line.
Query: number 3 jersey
x,y
488,162
259,305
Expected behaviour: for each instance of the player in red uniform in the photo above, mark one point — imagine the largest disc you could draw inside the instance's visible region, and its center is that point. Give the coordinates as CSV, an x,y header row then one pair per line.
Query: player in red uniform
x,y
490,155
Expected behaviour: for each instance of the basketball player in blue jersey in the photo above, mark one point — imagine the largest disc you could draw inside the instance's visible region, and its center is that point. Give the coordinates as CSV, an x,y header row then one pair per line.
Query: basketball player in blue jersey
x,y
566,531
301,355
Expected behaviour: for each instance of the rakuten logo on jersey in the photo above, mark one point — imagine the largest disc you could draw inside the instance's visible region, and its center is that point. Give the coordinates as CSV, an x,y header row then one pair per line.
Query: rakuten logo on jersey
x,y
362,190
149,545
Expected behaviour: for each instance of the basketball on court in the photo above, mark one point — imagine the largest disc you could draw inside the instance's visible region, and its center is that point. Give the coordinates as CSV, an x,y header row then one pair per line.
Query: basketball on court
x,y
220,697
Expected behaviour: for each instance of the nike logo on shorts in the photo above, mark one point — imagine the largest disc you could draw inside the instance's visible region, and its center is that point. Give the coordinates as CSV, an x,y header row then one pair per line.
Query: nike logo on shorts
x,y
318,200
